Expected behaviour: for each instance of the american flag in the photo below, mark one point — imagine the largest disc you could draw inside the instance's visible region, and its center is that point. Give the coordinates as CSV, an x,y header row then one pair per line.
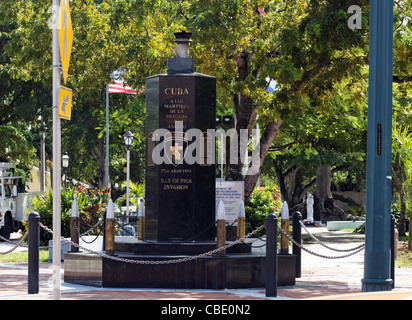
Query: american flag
x,y
119,87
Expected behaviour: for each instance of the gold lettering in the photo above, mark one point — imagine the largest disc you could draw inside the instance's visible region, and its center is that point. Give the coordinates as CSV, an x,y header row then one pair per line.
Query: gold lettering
x,y
176,91
178,187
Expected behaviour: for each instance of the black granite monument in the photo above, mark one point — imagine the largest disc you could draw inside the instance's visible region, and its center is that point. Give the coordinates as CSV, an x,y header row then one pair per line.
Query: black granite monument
x,y
180,194
180,199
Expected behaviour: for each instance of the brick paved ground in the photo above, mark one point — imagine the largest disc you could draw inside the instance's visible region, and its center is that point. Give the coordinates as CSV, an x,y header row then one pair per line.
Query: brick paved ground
x,y
324,281
320,277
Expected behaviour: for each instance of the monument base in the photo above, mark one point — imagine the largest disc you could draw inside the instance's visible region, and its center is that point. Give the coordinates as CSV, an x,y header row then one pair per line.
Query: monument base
x,y
169,248
230,271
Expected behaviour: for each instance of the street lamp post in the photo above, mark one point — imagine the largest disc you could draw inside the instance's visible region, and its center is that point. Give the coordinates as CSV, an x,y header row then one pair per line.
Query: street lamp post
x,y
65,165
128,140
378,172
56,158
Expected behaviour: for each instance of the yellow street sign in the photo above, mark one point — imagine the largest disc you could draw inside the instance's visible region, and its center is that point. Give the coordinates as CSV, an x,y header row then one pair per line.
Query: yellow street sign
x,y
65,103
65,30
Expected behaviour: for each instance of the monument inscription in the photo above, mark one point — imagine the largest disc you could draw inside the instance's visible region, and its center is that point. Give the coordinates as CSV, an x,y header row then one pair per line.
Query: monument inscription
x,y
180,195
177,103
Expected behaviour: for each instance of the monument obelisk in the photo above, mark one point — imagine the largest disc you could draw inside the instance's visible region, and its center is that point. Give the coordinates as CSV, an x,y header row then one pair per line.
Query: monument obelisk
x,y
180,194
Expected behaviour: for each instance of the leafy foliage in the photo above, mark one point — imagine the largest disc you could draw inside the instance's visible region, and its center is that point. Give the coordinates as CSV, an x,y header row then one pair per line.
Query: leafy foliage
x,y
319,64
263,201
136,194
91,202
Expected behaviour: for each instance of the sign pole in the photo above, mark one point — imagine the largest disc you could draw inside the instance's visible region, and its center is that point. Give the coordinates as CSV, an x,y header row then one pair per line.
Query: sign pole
x,y
379,149
56,157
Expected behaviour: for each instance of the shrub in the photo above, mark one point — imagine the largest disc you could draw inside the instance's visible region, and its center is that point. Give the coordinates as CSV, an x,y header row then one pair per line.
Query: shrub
x,y
91,202
136,194
262,201
43,205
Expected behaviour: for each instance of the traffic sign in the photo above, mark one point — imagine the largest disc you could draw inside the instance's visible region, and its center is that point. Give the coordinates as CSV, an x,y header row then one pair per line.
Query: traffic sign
x,y
65,103
65,29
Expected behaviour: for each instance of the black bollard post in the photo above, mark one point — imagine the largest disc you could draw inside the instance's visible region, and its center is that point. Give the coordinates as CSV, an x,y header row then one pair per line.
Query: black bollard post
x,y
271,255
393,250
297,236
34,239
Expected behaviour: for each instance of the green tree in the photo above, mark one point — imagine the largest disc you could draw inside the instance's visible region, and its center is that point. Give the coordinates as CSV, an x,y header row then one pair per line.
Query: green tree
x,y
306,47
402,173
21,105
108,36
315,144
402,112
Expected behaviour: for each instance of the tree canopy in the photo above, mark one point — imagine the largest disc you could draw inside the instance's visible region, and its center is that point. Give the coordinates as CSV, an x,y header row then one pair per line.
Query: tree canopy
x,y
318,62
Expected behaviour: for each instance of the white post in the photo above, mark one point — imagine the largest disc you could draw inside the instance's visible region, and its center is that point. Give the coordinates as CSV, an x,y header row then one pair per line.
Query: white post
x,y
107,138
222,157
127,180
56,157
42,166
309,208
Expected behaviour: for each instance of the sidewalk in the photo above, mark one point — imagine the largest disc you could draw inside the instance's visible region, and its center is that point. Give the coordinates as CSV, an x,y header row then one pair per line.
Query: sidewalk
x,y
320,278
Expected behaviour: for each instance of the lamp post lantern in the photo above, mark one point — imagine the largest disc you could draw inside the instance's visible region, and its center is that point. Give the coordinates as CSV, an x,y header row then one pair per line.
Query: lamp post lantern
x,y
65,165
128,140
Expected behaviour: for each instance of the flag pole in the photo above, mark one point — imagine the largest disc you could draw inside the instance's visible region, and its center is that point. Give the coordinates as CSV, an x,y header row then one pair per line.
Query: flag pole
x,y
107,138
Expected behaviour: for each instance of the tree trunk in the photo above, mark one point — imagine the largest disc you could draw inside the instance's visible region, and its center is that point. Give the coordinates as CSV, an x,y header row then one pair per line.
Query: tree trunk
x,y
245,117
265,142
323,195
324,207
292,192
295,188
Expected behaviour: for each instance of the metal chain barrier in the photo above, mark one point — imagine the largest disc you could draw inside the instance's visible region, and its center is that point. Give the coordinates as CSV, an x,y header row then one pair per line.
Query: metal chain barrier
x,y
360,248
326,246
98,223
249,243
123,228
240,240
259,246
131,233
103,255
20,243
